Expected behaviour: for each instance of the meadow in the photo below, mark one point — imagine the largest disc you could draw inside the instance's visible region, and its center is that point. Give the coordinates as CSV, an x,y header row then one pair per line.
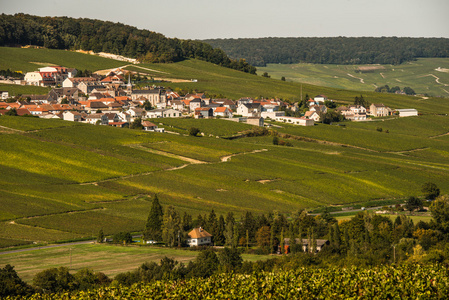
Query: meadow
x,y
425,76
109,259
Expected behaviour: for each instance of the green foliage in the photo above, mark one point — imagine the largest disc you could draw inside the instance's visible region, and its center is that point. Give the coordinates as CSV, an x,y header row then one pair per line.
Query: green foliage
x,y
136,124
335,50
116,38
413,203
332,116
11,284
122,238
153,227
430,190
440,212
411,281
54,280
193,131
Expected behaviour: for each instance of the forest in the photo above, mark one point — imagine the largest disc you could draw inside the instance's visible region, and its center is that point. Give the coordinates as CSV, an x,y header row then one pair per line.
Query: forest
x,y
109,37
332,50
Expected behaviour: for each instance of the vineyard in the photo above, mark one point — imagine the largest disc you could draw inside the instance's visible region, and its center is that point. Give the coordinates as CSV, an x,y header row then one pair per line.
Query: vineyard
x,y
384,282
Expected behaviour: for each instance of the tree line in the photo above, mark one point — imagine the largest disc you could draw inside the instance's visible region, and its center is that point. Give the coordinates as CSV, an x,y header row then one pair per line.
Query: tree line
x,y
102,36
332,50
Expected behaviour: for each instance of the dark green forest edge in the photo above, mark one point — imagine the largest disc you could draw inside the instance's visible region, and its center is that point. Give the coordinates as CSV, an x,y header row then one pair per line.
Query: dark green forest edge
x,y
332,50
115,38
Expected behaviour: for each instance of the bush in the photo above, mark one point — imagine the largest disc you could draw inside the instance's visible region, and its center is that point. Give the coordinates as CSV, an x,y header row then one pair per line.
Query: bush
x,y
193,131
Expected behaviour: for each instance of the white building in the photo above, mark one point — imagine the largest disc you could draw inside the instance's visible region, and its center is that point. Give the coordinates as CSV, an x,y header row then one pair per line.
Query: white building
x,y
407,112
199,237
296,121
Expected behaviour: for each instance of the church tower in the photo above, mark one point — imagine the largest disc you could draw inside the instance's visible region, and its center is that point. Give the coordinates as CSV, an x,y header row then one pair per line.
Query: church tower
x,y
129,87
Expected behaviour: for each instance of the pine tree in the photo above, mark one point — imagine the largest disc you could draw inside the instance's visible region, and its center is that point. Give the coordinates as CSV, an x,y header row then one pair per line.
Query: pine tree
x,y
153,227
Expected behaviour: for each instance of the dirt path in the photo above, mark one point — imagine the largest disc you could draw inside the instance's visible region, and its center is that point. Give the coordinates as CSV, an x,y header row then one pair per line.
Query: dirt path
x,y
361,79
187,159
440,135
228,157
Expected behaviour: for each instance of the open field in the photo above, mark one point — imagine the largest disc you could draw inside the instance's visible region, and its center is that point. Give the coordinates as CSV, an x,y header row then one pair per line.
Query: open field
x,y
109,259
425,76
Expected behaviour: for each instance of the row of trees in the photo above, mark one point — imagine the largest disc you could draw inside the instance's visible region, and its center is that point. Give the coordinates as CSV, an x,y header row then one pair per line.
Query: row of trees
x,y
396,89
334,50
116,38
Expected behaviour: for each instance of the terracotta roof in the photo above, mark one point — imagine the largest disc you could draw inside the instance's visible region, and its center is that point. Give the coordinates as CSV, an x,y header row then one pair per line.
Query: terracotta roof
x,y
148,124
221,109
197,233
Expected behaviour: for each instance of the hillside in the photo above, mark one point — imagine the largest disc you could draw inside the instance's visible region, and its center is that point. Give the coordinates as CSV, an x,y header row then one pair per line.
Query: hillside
x,y
428,76
61,180
335,50
212,79
100,36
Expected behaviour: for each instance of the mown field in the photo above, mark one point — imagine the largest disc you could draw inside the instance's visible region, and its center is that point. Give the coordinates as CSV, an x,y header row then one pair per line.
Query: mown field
x,y
425,76
62,180
109,259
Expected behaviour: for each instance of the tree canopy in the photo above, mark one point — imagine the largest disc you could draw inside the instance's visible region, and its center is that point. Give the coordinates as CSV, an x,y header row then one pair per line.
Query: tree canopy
x,y
332,50
115,38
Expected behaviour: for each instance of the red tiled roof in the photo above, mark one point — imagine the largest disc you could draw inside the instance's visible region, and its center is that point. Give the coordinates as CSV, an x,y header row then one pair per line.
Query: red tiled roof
x,y
197,233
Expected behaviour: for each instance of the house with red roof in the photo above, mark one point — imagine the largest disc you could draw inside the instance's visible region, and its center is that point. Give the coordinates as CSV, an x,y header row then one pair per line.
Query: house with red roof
x,y
199,237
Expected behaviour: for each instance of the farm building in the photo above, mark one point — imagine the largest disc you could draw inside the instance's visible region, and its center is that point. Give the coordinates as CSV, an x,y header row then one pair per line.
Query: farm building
x,y
407,112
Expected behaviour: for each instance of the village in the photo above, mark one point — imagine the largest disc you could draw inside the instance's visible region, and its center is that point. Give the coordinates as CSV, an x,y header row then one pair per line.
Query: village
x,y
113,100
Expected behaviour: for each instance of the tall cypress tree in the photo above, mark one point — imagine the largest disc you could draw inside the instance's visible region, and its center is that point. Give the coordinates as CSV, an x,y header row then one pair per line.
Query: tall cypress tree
x,y
153,227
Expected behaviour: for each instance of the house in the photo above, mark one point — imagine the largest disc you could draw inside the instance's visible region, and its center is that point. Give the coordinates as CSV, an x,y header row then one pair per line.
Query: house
x,y
136,113
320,109
256,121
178,105
379,110
113,78
40,79
226,103
407,112
60,93
4,95
88,86
296,121
204,113
199,237
112,117
73,116
312,115
353,112
195,103
223,112
249,109
94,118
320,99
154,96
74,82
320,244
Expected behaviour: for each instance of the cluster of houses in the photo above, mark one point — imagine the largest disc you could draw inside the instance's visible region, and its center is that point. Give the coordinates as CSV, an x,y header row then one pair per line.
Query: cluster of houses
x,y
111,101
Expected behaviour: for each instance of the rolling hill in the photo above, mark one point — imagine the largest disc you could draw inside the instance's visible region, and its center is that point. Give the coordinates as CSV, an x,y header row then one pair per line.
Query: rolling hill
x,y
61,180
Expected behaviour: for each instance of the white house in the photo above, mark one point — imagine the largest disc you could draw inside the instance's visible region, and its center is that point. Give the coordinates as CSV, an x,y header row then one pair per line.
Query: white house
x,y
223,112
312,115
199,237
379,110
4,95
296,121
407,112
73,116
249,109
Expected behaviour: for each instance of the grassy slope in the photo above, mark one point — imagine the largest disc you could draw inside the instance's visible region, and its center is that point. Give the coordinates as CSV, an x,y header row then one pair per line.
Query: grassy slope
x,y
54,170
417,75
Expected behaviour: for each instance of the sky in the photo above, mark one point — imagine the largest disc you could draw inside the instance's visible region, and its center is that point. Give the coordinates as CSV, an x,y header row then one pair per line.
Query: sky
x,y
207,19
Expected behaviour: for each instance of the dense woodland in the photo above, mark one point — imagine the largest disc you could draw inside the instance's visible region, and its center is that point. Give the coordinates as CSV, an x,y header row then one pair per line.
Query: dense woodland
x,y
101,36
335,50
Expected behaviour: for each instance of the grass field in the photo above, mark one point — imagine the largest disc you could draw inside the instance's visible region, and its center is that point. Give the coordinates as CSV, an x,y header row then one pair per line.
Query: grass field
x,y
109,259
426,75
